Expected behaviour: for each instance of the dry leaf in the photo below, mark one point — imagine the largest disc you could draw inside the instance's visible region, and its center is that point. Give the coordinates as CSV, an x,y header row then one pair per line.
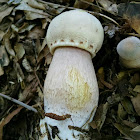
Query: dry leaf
x,y
19,49
130,124
32,15
100,116
127,104
136,103
5,24
45,22
135,79
54,9
8,119
121,112
7,43
121,75
81,4
137,128
14,2
127,132
1,71
42,54
100,76
5,11
28,91
109,6
36,13
25,27
44,44
36,33
38,46
137,88
131,12
26,65
1,35
4,60
19,72
35,4
48,59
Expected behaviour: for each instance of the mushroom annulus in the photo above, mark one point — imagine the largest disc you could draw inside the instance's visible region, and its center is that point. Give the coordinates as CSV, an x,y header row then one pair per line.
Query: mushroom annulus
x,y
129,52
71,90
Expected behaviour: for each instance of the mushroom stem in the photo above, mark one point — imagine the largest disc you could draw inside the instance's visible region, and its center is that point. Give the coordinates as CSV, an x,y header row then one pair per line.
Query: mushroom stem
x,y
70,88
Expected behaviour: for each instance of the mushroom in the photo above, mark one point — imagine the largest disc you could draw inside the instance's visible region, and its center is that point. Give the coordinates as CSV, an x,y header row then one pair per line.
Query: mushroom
x,y
129,52
70,90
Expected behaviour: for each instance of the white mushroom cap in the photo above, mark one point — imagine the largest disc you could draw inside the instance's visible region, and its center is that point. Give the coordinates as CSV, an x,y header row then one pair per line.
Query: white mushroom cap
x,y
129,51
75,28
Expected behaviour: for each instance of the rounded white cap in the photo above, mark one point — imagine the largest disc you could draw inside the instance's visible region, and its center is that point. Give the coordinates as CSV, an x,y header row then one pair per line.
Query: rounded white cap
x,y
129,48
129,52
75,28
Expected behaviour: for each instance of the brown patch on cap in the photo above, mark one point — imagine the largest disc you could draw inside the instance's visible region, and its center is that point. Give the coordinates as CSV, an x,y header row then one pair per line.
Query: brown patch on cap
x,y
51,44
55,42
91,46
81,42
62,40
96,51
72,40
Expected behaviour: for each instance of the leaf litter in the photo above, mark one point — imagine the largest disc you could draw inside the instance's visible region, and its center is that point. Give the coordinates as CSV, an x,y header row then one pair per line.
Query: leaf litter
x,y
25,59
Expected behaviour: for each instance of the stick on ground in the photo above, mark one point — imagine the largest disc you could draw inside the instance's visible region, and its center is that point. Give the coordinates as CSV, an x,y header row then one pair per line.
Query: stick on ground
x,y
18,102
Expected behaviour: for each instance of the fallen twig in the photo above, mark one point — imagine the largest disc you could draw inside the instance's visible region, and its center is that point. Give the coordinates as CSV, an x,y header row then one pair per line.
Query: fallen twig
x,y
18,102
133,34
